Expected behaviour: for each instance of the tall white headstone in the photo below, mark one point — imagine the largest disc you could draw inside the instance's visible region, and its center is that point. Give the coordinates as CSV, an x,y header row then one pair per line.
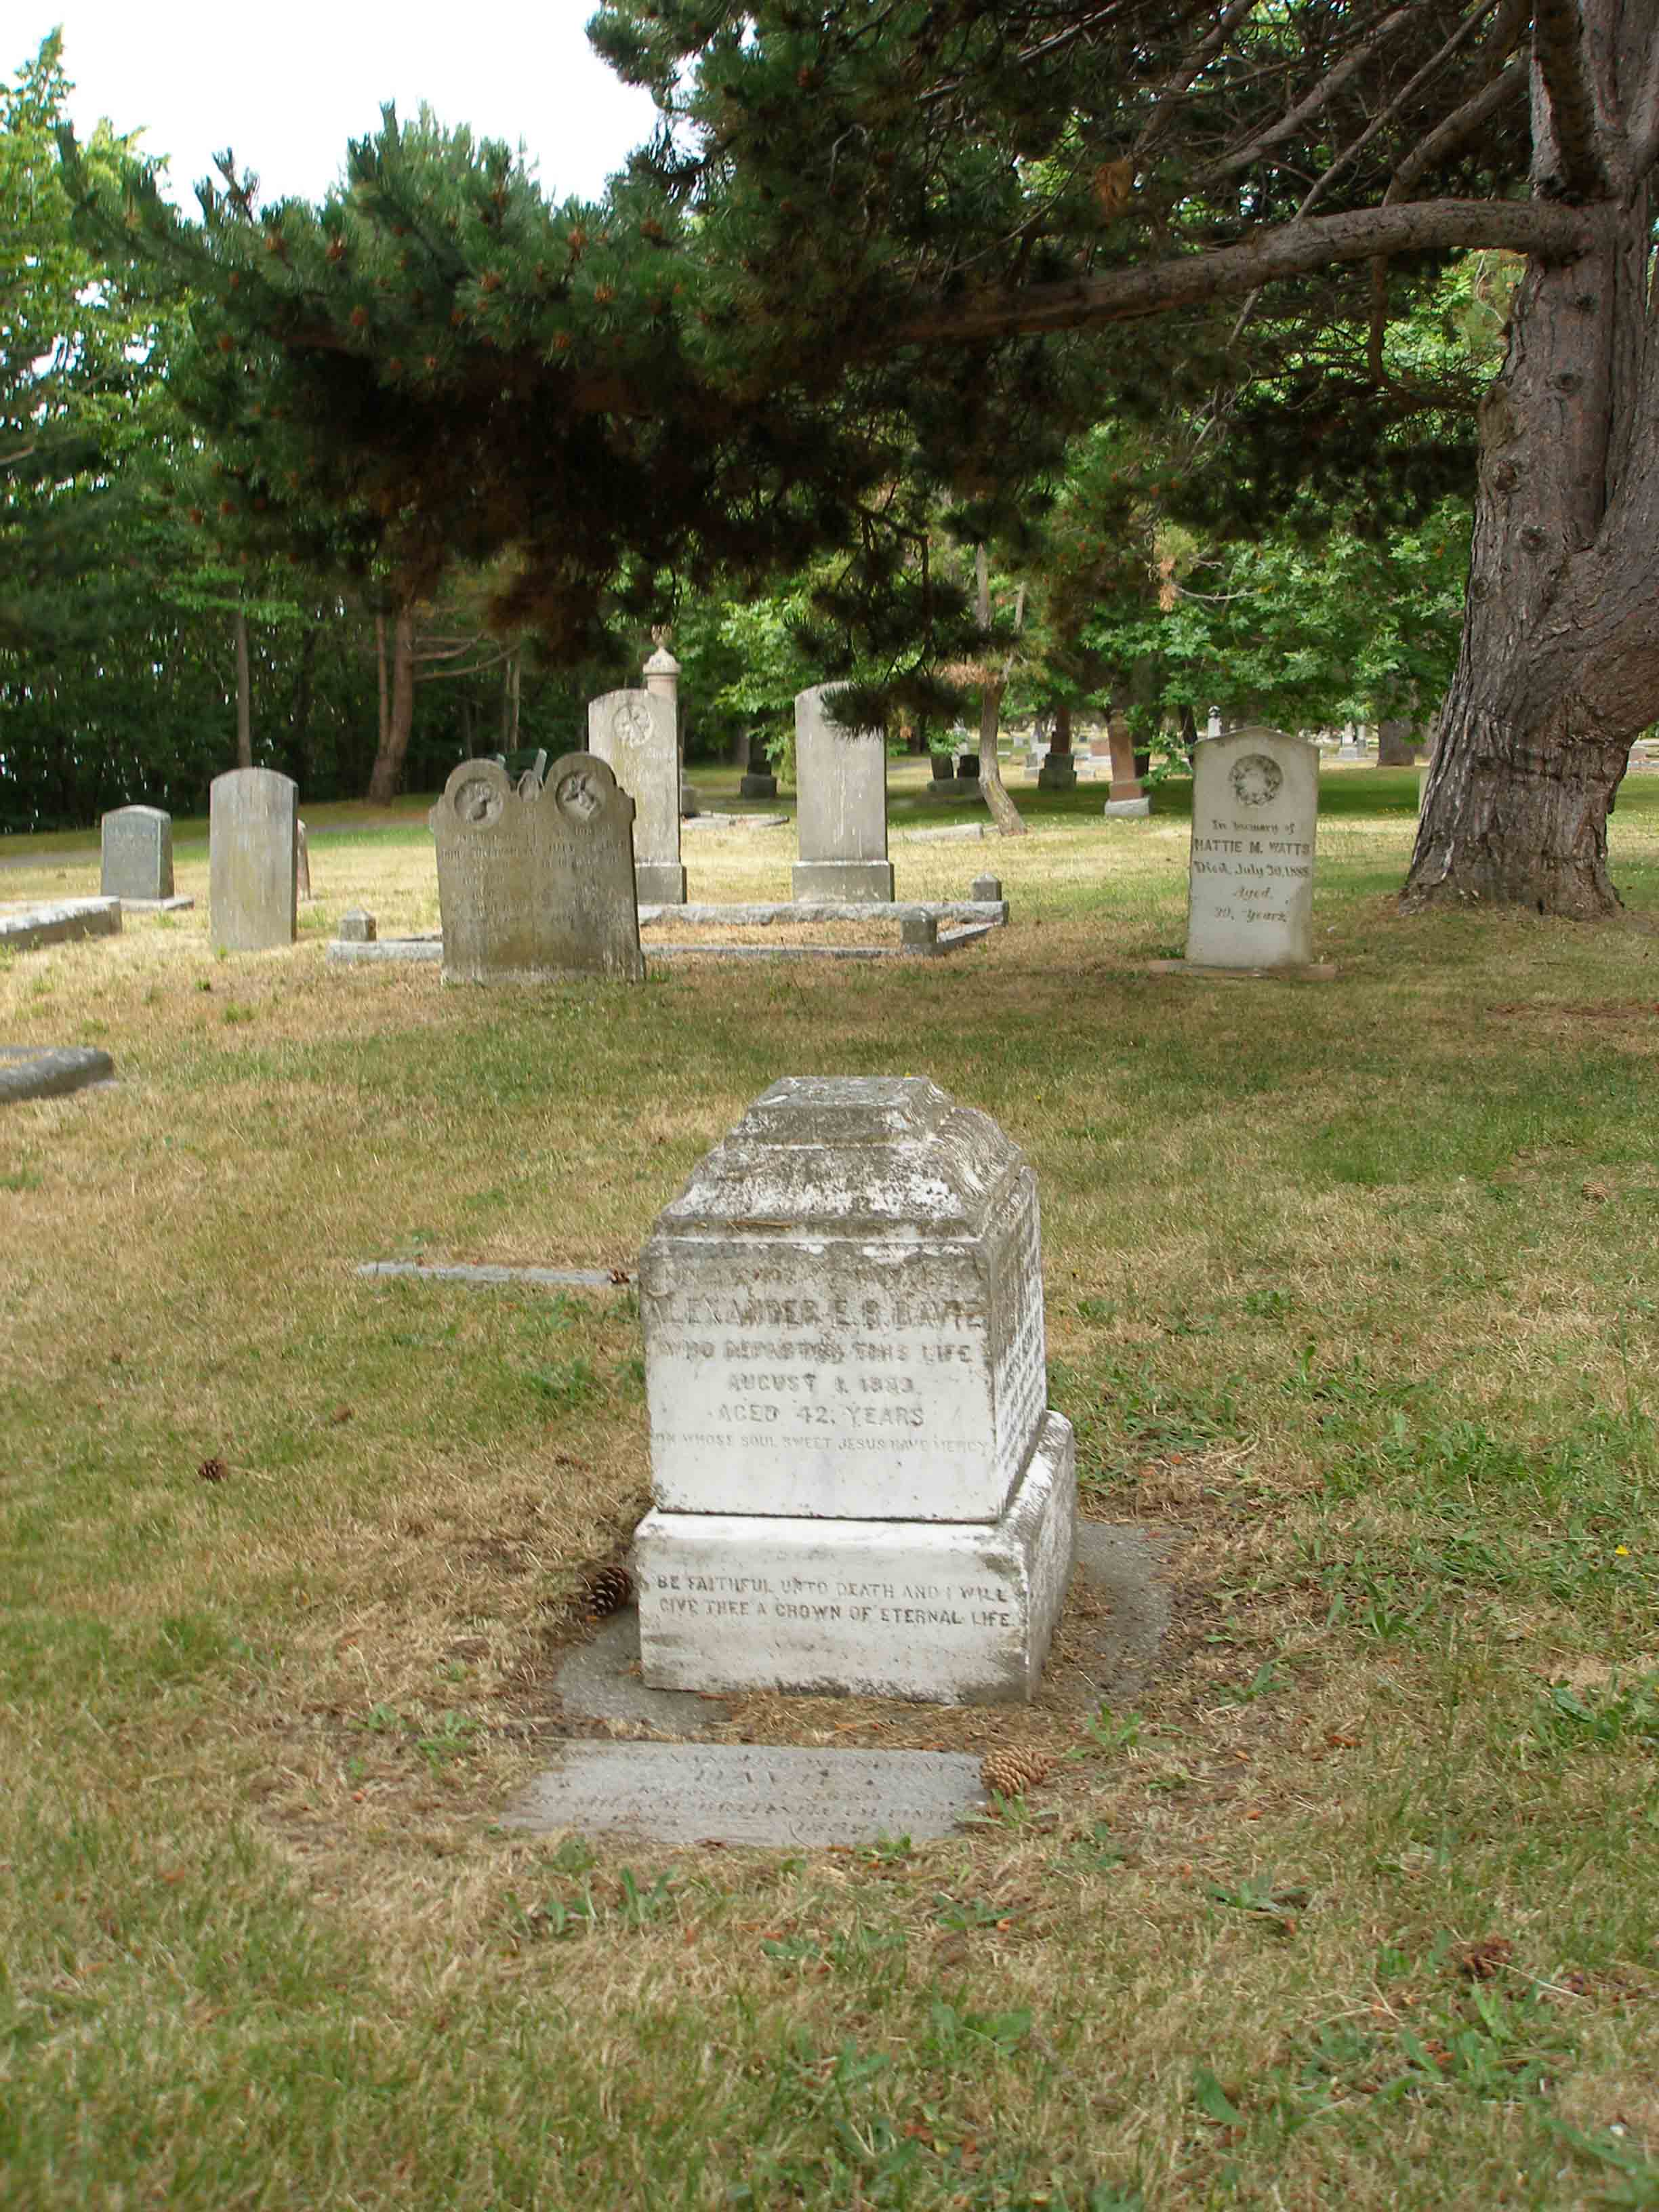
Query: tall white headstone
x,y
1256,813
253,847
841,810
637,734
859,1486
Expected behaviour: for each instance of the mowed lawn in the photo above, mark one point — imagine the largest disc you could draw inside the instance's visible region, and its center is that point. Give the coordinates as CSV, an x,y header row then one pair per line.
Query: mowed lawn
x,y
1353,1294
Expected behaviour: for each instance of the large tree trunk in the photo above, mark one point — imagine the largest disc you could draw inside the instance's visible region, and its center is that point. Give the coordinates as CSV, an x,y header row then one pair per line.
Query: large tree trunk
x,y
244,695
1559,663
394,735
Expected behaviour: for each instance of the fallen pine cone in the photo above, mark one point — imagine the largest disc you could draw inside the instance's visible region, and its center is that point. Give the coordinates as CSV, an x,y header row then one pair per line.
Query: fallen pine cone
x,y
1011,1773
605,1590
212,1470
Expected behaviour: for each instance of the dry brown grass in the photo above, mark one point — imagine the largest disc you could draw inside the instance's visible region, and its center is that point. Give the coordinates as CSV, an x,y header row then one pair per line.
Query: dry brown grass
x,y
1349,1289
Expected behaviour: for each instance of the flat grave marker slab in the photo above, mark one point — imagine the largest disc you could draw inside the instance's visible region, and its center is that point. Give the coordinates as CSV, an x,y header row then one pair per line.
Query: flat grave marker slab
x,y
28,1071
681,1794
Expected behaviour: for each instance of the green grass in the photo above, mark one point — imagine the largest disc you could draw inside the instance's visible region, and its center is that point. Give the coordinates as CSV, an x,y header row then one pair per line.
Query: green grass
x,y
1352,1294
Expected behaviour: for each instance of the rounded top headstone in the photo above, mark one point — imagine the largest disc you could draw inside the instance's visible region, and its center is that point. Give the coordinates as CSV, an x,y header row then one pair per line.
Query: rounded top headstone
x,y
662,663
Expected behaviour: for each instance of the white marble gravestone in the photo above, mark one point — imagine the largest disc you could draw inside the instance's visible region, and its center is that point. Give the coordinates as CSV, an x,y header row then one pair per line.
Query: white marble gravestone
x,y
637,734
138,854
252,859
1255,812
858,1485
535,879
841,805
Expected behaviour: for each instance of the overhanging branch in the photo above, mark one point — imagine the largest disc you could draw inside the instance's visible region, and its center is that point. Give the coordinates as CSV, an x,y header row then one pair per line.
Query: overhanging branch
x,y
1556,43
1296,249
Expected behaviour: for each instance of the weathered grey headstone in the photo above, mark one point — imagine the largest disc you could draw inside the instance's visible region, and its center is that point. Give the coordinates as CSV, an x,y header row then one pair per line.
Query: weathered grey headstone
x,y
137,853
1396,744
858,1485
636,734
301,860
919,932
841,815
757,780
1255,814
680,1793
29,1071
985,888
253,842
535,880
357,927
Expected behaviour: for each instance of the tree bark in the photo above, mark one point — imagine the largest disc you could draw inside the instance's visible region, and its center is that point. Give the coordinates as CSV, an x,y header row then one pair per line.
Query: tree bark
x,y
395,734
300,713
1559,663
1060,740
1004,812
244,694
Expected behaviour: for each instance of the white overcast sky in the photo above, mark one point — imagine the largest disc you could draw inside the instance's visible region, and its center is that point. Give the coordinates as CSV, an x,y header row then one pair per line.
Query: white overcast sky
x,y
286,85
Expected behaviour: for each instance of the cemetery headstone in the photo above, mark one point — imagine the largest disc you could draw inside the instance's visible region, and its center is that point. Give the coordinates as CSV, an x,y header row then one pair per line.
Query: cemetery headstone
x,y
757,780
860,1486
137,853
252,859
1256,812
536,879
1396,744
301,860
357,927
987,888
636,734
840,813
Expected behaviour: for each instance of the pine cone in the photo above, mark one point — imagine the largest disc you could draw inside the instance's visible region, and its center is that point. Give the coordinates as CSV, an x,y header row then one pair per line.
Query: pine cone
x,y
605,1590
1011,1773
212,1470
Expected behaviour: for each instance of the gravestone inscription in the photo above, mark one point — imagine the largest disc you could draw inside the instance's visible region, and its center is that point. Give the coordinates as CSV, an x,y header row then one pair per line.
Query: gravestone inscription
x,y
1256,813
536,879
840,813
253,846
859,1484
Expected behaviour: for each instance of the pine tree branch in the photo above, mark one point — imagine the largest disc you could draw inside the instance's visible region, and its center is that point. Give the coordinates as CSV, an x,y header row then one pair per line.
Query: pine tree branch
x,y
1460,124
1176,92
1581,172
1294,249
1306,109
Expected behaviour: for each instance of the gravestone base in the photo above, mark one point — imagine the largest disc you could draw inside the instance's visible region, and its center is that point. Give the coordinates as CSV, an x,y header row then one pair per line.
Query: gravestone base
x,y
1313,971
1058,773
29,1071
659,882
757,786
179,904
853,880
941,1612
1352,753
1128,810
58,921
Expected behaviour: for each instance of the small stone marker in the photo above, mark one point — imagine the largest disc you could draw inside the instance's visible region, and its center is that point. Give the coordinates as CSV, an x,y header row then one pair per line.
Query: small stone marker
x,y
1255,812
987,890
858,1485
637,734
137,853
919,932
301,860
841,815
253,839
357,927
535,880
29,1071
681,1794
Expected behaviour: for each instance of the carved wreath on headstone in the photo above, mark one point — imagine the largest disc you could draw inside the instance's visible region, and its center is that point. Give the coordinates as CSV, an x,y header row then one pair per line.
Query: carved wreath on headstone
x,y
478,801
578,797
630,723
1256,780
